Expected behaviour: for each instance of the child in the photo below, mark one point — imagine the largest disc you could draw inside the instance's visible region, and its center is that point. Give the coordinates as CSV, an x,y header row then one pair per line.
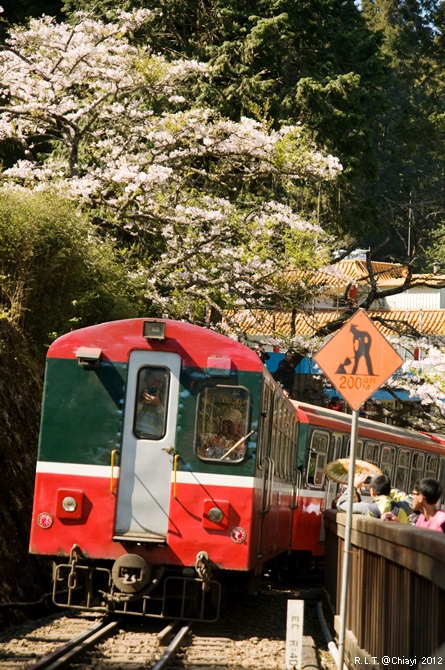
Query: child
x,y
426,492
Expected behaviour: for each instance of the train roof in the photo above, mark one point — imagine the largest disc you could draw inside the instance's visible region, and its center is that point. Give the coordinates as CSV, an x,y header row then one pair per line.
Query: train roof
x,y
383,432
195,344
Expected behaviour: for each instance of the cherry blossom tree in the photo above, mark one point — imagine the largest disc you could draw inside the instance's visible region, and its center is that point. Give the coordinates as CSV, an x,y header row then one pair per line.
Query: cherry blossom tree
x,y
213,209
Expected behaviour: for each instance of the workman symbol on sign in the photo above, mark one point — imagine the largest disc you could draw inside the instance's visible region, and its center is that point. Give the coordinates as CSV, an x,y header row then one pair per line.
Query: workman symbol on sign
x,y
361,344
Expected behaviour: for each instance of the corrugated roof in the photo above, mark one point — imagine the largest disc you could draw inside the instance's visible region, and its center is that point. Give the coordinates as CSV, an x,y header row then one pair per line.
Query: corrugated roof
x,y
280,323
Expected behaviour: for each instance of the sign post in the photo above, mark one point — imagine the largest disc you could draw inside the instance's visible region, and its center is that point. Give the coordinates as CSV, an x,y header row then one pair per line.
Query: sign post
x,y
357,361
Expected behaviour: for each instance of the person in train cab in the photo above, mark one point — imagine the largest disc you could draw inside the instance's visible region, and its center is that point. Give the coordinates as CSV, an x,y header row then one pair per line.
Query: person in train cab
x,y
334,403
426,493
151,405
388,504
219,444
232,432
285,373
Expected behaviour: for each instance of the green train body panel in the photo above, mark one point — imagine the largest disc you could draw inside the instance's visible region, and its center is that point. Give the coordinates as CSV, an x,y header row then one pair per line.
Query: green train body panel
x,y
83,413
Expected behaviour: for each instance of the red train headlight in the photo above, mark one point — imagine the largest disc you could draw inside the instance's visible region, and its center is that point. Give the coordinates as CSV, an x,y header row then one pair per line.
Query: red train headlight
x,y
215,514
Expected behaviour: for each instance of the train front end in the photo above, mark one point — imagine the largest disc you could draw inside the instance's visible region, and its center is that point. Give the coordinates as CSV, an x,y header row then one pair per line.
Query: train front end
x,y
145,486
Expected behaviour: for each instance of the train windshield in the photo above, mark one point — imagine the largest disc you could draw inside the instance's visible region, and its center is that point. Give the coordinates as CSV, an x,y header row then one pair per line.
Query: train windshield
x,y
222,428
151,402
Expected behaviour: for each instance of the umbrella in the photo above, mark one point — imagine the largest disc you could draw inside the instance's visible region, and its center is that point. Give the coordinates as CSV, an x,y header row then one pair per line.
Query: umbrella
x,y
338,470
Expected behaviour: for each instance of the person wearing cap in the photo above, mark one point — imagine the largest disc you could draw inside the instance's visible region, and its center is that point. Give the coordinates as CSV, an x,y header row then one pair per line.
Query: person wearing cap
x,y
388,504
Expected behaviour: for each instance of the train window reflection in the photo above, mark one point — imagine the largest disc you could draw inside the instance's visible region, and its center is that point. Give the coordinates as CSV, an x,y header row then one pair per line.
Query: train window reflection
x,y
151,405
222,423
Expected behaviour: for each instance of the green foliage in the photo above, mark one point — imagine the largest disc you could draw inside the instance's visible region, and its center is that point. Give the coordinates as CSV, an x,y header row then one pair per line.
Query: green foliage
x,y
411,152
55,272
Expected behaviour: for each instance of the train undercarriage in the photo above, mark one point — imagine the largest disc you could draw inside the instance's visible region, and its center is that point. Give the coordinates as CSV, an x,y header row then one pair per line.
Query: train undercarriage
x,y
132,586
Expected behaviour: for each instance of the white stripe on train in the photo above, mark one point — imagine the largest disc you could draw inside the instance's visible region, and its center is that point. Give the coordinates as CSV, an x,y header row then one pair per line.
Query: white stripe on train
x,y
201,478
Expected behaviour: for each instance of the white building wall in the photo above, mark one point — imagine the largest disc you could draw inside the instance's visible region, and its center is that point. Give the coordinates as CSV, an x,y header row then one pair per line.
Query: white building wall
x,y
417,298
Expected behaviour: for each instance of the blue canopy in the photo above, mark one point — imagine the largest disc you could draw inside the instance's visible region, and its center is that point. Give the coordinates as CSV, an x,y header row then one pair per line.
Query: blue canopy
x,y
307,366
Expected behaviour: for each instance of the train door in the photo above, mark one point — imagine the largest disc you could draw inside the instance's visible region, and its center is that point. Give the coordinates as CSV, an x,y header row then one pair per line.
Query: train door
x,y
151,408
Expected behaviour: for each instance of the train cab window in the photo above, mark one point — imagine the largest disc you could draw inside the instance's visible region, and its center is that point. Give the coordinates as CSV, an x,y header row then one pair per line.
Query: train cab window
x,y
387,462
222,423
151,402
318,457
402,470
431,466
417,467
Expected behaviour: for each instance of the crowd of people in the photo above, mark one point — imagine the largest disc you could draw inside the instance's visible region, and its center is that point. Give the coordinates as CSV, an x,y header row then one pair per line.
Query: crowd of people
x,y
389,504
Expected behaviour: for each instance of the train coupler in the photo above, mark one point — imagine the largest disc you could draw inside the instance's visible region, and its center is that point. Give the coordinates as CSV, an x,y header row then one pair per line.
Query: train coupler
x,y
203,568
75,555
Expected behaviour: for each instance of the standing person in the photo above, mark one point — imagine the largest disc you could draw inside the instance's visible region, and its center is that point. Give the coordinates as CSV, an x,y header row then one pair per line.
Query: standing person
x,y
426,492
388,503
285,373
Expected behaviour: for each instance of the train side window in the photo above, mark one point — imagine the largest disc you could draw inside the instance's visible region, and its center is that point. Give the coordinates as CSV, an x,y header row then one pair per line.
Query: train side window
x,y
417,468
265,425
318,457
372,452
387,462
441,475
432,466
336,447
283,423
402,471
358,448
222,421
277,437
151,402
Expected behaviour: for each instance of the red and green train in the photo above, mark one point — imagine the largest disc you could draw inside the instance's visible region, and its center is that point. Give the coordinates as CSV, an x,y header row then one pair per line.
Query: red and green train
x,y
170,461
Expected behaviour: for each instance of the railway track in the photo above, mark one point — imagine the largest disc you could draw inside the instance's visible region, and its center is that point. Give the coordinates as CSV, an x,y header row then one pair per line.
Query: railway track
x,y
78,642
250,634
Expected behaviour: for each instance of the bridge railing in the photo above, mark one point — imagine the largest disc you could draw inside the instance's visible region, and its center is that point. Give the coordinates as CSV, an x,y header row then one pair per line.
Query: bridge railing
x,y
396,590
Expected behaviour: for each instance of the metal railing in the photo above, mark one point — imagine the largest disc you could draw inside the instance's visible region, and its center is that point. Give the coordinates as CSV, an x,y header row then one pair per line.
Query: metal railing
x,y
396,591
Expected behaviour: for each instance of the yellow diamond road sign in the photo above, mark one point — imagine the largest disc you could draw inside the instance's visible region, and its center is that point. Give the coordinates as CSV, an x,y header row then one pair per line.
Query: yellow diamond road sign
x,y
358,359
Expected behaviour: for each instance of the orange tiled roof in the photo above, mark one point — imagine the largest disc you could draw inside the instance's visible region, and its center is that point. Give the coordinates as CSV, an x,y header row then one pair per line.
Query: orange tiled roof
x,y
279,323
354,271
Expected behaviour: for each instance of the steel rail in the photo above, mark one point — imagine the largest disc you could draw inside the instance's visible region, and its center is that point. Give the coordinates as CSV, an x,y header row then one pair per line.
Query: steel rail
x,y
67,652
172,648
